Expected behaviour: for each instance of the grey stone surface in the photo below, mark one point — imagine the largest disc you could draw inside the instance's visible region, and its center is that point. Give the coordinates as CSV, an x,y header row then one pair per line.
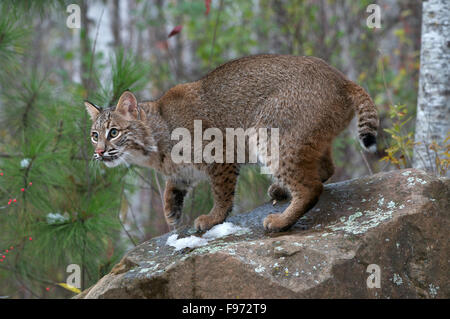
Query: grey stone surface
x,y
397,220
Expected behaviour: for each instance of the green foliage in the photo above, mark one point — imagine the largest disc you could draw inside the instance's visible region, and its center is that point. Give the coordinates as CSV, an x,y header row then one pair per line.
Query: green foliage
x,y
32,7
12,39
70,210
251,189
128,73
198,202
233,30
441,156
50,151
400,150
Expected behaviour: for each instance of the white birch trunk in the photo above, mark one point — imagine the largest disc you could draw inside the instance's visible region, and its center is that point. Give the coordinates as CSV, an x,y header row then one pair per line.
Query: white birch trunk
x,y
433,105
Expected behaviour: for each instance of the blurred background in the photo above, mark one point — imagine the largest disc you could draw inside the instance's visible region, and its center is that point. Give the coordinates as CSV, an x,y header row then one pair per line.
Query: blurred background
x,y
57,207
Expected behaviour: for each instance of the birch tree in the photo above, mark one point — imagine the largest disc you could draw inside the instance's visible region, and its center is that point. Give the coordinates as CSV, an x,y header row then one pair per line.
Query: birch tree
x,y
433,105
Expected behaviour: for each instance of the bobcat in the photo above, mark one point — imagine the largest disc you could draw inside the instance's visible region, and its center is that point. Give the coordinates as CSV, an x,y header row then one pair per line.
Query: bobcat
x,y
309,101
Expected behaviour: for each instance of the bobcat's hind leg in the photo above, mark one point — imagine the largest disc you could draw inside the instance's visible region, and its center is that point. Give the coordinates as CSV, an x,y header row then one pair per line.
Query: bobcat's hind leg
x,y
278,192
301,176
223,179
174,194
326,169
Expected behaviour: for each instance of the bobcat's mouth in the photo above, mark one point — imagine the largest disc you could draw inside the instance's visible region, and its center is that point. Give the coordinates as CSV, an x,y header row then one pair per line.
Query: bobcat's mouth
x,y
110,160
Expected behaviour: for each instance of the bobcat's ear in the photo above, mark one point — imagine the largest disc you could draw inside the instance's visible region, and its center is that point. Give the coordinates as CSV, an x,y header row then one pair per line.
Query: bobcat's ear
x,y
127,106
92,109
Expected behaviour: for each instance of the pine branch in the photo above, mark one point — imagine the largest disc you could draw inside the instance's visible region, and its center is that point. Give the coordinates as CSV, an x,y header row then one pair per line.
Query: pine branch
x,y
58,136
5,155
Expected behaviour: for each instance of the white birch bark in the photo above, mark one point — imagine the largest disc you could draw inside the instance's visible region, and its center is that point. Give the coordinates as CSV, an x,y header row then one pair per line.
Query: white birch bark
x,y
433,105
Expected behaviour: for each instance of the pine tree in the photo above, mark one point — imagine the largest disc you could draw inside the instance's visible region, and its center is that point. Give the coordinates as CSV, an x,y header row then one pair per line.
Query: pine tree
x,y
57,206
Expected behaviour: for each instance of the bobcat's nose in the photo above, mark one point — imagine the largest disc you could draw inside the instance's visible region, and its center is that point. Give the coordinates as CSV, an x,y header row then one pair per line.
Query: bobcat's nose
x,y
99,151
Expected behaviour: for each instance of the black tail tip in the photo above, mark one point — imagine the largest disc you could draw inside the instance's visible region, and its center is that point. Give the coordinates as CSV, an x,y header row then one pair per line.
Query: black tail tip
x,y
369,142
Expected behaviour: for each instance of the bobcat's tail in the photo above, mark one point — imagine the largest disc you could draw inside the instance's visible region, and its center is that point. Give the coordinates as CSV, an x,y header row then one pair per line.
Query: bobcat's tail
x,y
367,116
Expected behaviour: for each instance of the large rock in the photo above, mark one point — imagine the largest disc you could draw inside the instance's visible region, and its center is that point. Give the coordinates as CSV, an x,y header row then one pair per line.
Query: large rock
x,y
397,220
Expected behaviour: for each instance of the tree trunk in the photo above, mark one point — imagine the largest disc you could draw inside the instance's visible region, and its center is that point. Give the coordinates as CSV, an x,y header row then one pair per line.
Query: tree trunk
x,y
433,104
85,45
116,24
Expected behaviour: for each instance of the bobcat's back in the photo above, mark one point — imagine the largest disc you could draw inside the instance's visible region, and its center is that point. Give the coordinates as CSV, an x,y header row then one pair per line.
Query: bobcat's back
x,y
304,95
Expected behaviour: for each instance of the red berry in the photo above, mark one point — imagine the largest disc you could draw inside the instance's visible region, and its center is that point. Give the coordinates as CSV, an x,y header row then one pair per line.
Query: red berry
x,y
6,250
1,174
15,200
30,238
48,289
1,260
22,189
30,183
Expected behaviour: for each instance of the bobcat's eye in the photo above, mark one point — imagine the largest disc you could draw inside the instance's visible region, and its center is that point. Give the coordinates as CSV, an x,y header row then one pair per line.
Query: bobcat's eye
x,y
113,133
95,136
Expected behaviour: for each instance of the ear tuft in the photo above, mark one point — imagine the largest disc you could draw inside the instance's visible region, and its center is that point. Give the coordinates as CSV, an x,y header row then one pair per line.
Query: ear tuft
x,y
92,109
127,106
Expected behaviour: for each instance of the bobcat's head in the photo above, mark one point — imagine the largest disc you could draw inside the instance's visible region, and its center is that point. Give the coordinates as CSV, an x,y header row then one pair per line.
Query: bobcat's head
x,y
120,134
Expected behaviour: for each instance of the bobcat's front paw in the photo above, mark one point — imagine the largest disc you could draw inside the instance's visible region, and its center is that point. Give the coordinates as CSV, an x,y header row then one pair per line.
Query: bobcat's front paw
x,y
276,223
173,217
205,222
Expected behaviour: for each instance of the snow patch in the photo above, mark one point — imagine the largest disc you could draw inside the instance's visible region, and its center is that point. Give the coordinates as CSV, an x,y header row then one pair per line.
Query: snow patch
x,y
57,218
25,162
191,241
223,230
218,231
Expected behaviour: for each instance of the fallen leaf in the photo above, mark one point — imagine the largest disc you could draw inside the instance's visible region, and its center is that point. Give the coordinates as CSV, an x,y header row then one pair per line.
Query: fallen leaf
x,y
69,287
